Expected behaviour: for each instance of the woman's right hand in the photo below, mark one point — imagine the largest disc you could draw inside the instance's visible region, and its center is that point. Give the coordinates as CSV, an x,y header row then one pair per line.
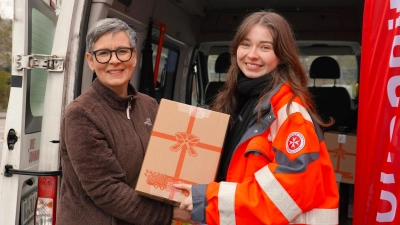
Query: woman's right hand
x,y
182,215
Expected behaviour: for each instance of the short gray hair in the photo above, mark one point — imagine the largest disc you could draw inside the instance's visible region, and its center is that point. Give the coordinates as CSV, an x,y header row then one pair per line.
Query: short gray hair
x,y
108,25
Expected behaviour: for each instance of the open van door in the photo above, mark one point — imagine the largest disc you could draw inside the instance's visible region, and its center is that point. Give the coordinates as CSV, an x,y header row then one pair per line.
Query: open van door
x,y
40,44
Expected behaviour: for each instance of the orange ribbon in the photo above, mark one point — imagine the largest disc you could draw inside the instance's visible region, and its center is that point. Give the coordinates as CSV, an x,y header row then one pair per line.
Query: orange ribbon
x,y
185,141
340,153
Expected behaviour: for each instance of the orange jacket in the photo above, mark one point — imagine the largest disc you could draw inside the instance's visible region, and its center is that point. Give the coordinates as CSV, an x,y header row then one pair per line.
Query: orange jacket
x,y
280,173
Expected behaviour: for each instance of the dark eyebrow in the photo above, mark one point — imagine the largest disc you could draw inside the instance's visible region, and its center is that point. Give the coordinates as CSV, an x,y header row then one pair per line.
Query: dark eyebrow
x,y
101,49
111,49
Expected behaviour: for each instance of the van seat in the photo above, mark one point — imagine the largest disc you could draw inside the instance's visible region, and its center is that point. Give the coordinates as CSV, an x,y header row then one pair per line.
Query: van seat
x,y
221,66
331,101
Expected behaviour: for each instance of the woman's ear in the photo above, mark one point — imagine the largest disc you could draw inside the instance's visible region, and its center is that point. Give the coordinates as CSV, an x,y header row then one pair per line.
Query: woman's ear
x,y
89,59
134,58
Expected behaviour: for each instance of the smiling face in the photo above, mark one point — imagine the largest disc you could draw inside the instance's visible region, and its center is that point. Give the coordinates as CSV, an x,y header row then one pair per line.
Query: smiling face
x,y
255,54
114,74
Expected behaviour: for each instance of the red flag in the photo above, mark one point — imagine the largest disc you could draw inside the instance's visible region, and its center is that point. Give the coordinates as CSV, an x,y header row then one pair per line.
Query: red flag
x,y
377,182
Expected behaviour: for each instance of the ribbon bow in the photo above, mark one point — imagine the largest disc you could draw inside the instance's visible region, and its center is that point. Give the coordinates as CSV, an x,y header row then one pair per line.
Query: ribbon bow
x,y
339,152
185,142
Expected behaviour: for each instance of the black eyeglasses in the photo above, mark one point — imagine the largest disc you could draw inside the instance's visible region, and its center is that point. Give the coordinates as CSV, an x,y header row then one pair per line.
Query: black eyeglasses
x,y
104,55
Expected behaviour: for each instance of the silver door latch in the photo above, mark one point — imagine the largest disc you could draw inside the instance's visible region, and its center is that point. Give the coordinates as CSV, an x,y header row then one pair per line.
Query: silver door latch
x,y
46,62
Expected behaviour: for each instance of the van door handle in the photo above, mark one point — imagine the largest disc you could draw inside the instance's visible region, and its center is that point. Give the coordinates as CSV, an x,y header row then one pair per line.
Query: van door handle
x,y
9,171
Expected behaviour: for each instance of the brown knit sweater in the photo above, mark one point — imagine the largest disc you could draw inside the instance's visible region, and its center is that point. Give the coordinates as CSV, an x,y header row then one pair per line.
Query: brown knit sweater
x,y
101,155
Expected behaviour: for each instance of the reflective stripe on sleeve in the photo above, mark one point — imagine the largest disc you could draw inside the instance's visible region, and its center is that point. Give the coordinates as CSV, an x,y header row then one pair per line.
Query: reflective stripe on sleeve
x,y
282,116
226,203
277,193
318,217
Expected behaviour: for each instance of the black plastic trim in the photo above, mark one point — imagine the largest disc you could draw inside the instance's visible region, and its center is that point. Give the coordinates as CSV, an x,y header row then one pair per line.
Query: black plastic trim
x,y
16,81
9,171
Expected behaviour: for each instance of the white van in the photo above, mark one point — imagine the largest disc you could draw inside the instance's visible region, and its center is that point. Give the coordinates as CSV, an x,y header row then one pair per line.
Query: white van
x,y
186,37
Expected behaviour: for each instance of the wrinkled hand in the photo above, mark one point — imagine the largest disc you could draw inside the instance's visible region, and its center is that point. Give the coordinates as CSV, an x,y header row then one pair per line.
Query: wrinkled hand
x,y
187,203
182,215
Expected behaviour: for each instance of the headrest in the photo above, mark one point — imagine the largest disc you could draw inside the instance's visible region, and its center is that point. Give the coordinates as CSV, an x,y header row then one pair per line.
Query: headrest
x,y
325,67
223,62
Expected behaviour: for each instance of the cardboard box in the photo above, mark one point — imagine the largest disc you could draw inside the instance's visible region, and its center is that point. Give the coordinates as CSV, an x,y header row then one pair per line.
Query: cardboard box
x,y
342,149
185,146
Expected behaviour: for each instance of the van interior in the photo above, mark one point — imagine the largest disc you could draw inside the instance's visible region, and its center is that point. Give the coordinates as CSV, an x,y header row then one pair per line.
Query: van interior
x,y
183,55
195,52
198,33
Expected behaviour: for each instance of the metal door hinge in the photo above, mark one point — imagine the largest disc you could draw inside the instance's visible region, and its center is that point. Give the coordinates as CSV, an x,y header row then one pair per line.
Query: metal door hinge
x,y
46,62
12,138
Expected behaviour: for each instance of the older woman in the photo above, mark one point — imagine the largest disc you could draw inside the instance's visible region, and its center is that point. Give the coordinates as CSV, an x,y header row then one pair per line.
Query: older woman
x,y
104,134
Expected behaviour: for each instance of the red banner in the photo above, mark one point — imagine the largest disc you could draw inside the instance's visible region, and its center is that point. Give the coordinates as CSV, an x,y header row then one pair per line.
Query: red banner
x,y
377,183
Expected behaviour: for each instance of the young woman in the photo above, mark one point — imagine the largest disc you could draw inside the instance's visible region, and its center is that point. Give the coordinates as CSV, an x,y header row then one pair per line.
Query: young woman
x,y
275,168
104,137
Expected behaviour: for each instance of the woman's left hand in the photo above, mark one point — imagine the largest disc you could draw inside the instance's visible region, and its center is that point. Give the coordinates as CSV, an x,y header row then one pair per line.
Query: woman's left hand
x,y
187,203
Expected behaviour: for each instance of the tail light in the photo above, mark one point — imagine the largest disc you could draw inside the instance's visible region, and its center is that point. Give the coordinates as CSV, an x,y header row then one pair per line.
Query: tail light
x,y
46,201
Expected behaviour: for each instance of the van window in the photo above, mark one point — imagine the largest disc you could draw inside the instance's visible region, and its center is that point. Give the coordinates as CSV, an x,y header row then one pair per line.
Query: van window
x,y
166,71
195,99
348,69
41,32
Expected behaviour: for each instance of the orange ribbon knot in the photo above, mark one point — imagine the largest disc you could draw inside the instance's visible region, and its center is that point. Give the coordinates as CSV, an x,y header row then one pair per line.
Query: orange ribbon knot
x,y
185,142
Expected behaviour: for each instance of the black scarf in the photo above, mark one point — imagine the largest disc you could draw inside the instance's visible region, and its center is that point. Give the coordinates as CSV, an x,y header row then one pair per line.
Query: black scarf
x,y
247,96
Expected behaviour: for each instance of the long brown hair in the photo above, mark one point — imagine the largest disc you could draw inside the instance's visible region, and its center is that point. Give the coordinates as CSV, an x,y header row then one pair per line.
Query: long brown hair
x,y
289,69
